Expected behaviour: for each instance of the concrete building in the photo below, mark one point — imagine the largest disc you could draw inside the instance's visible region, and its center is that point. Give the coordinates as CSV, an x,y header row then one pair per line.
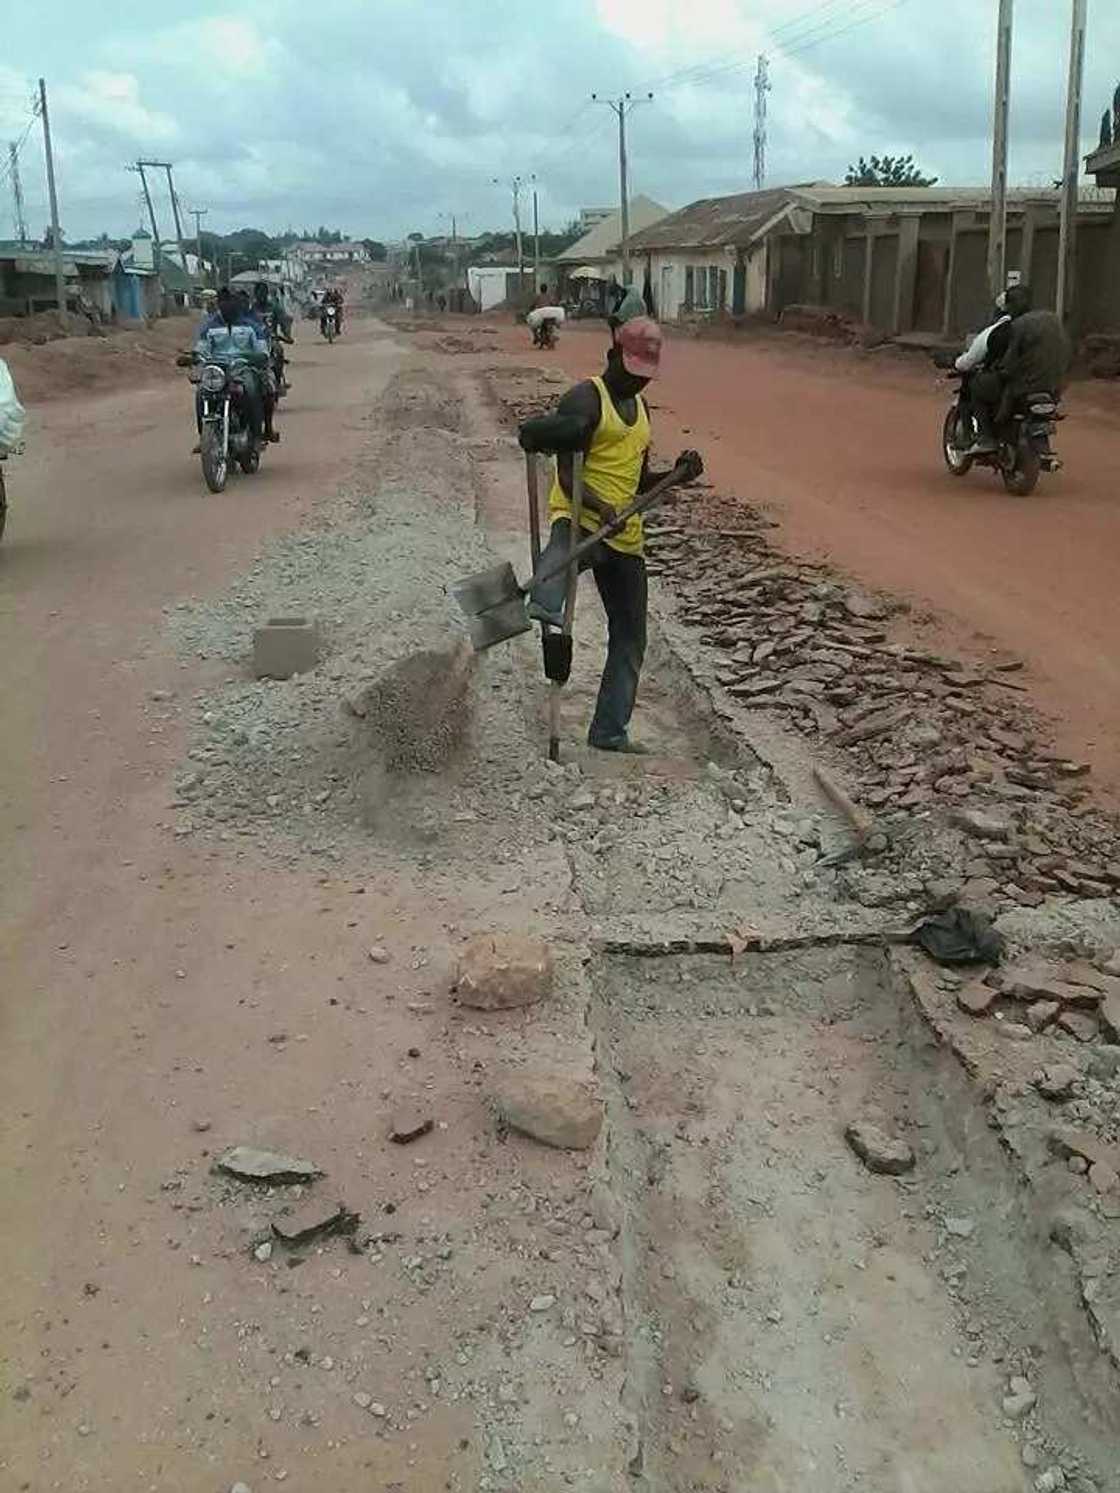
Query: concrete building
x,y
587,266
330,256
711,256
904,260
1102,310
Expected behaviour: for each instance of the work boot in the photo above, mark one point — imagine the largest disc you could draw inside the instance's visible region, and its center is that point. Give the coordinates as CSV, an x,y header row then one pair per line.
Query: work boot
x,y
620,744
273,436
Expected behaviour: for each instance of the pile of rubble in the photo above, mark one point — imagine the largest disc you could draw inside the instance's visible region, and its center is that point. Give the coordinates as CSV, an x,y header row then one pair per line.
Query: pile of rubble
x,y
923,732
1078,999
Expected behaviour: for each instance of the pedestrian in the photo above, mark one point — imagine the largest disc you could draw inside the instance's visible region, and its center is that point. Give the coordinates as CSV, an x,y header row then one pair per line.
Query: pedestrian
x,y
615,471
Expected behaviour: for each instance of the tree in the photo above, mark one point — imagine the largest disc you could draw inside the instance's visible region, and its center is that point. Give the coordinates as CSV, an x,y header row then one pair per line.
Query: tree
x,y
375,249
1106,129
887,171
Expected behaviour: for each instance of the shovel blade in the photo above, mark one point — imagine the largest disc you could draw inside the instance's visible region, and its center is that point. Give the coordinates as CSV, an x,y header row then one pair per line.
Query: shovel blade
x,y
487,589
507,620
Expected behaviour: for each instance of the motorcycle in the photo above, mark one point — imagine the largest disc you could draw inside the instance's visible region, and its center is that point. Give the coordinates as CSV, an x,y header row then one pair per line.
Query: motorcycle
x,y
545,334
1023,450
278,361
226,432
328,325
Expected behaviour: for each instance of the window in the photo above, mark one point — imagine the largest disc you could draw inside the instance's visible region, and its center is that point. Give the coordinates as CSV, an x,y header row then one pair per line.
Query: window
x,y
689,287
838,259
815,260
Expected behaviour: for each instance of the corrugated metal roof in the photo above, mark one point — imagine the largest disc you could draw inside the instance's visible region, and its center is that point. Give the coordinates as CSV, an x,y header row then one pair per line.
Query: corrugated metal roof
x,y
718,222
602,241
715,221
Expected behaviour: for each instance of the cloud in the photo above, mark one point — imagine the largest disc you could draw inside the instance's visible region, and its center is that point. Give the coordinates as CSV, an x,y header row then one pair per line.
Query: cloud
x,y
110,105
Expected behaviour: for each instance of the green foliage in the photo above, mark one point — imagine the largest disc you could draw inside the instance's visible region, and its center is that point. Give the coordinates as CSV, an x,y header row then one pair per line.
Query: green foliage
x,y
887,171
375,249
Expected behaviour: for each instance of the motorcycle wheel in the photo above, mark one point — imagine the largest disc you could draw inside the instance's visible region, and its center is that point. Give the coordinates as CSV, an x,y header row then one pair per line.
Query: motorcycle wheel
x,y
215,462
1022,479
955,459
3,504
330,333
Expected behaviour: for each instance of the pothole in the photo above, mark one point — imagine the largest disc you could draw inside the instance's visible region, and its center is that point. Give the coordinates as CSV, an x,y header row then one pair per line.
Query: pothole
x,y
794,1321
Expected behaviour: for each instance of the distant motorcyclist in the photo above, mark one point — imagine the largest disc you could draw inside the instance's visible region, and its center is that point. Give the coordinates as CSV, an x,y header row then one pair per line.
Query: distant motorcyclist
x,y
277,324
983,390
331,297
231,335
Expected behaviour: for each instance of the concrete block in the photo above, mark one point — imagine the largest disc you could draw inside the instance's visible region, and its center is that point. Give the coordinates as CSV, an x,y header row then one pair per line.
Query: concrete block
x,y
285,646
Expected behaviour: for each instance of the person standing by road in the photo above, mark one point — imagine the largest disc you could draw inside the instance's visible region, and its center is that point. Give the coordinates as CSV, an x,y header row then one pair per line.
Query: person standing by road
x,y
615,471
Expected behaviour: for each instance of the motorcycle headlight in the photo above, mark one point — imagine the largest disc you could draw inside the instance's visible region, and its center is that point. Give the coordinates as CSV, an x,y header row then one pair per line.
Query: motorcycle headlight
x,y
213,378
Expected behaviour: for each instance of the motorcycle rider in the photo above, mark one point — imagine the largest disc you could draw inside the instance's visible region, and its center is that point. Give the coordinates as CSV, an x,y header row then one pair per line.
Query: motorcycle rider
x,y
331,297
542,332
1029,354
980,385
231,335
277,325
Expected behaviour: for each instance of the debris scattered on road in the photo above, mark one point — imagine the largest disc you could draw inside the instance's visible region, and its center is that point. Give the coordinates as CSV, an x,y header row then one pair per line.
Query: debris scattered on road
x,y
409,1125
315,1221
960,935
263,1252
500,971
250,1165
879,1151
542,1303
377,955
553,1107
1056,1080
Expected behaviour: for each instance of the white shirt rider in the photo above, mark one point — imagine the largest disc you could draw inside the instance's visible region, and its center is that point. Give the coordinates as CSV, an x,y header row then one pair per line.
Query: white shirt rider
x,y
975,355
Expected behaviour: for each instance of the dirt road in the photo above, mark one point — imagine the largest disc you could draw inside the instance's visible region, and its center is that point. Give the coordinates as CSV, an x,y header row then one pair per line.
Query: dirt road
x,y
225,921
843,450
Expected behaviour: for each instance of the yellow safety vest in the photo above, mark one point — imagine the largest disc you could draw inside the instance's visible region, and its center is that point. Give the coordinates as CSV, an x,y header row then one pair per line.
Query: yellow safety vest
x,y
612,469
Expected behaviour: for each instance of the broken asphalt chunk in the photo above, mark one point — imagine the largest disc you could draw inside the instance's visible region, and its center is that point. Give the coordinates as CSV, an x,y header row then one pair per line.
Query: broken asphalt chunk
x,y
250,1165
315,1221
879,1151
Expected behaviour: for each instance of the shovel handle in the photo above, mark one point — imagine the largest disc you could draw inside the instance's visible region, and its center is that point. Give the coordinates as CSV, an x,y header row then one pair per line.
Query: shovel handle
x,y
640,504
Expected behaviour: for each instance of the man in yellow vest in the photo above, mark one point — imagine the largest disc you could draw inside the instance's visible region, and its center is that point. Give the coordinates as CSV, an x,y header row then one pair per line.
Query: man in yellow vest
x,y
615,470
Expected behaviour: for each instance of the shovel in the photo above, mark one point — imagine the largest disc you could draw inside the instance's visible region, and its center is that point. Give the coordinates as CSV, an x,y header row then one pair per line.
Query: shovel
x,y
493,600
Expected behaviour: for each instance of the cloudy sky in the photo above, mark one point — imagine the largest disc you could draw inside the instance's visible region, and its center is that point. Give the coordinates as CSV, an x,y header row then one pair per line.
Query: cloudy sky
x,y
380,116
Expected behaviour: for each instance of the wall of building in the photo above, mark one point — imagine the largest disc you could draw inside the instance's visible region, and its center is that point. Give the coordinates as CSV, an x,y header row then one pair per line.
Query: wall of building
x,y
673,271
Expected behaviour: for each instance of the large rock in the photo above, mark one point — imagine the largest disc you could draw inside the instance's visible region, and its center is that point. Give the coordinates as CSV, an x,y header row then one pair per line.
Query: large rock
x,y
1110,1017
556,1108
879,1151
500,971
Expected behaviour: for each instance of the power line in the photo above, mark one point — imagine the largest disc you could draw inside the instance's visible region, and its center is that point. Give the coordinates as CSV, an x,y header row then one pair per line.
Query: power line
x,y
825,29
773,34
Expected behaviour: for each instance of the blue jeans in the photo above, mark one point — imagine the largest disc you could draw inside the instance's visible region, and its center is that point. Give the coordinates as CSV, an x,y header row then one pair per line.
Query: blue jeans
x,y
623,590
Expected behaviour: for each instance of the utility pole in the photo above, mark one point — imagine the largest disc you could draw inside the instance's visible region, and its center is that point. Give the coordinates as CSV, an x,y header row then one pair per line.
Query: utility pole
x,y
178,219
515,183
1071,170
621,107
166,166
761,89
139,167
997,222
17,194
56,232
536,240
198,213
